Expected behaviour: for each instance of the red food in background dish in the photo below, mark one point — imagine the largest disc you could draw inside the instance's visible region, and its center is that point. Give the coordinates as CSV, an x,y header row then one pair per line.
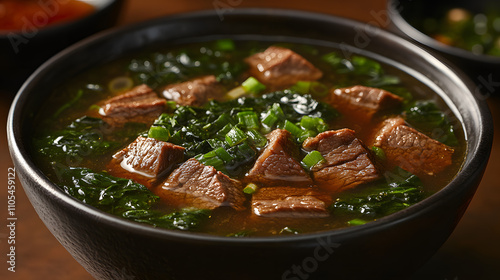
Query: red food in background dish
x,y
16,15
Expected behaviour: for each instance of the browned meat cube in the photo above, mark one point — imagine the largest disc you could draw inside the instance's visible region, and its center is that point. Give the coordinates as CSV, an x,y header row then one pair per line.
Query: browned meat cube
x,y
140,104
196,185
290,202
277,163
146,160
362,103
411,150
348,162
279,67
195,92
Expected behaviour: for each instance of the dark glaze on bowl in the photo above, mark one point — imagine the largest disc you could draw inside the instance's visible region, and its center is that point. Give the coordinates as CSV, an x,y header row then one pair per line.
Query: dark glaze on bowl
x,y
21,52
109,247
482,69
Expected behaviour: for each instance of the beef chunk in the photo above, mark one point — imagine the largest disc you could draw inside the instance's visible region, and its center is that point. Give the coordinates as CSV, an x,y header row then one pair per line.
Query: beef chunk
x,y
348,162
411,150
293,202
362,103
278,163
140,104
146,160
195,92
196,185
279,67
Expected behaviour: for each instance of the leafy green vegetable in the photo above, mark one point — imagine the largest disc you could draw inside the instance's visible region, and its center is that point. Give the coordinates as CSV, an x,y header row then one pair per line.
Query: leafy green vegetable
x,y
234,126
110,194
225,45
243,233
401,190
159,69
253,85
379,153
185,219
357,222
250,188
360,69
127,199
313,88
428,118
311,159
235,136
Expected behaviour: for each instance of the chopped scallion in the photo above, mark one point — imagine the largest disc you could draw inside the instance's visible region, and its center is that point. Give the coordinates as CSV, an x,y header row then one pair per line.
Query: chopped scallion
x,y
273,115
357,222
210,154
250,188
219,123
258,139
223,154
171,105
270,119
215,143
159,133
379,153
225,130
216,162
245,150
248,119
313,88
314,124
292,128
235,136
302,87
312,159
253,85
236,92
225,45
306,134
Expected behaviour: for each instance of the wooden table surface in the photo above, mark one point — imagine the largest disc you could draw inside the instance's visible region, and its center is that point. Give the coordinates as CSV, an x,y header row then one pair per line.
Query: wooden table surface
x,y
471,252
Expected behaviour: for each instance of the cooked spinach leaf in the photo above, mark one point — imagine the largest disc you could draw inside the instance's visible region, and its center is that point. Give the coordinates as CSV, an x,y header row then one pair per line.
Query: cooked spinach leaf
x,y
125,198
86,137
227,135
428,118
401,189
110,194
361,69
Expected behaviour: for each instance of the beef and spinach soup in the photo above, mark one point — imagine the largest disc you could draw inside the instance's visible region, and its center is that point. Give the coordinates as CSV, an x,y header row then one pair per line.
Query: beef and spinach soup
x,y
240,138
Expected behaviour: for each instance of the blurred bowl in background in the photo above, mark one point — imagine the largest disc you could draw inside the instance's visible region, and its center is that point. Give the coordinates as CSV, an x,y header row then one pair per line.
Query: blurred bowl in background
x,y
23,49
110,247
475,25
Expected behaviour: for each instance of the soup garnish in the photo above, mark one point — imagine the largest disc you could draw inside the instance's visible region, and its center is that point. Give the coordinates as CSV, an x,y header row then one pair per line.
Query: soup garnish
x,y
26,15
241,138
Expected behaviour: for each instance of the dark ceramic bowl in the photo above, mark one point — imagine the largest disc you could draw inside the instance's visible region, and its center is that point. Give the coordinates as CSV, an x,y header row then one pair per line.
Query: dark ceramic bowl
x,y
112,248
406,17
23,51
